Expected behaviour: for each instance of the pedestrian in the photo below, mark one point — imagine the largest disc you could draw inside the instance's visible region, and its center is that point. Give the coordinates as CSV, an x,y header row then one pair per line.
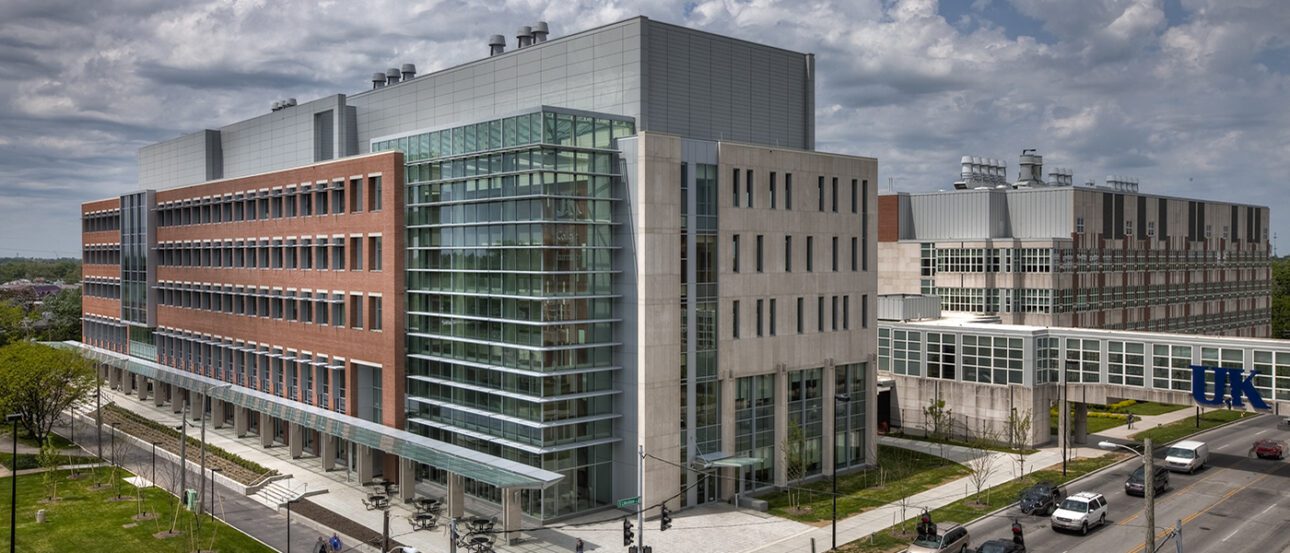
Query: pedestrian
x,y
320,546
577,546
334,542
1130,420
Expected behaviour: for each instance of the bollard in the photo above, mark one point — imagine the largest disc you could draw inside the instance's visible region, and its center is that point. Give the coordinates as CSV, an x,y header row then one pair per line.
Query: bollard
x,y
812,545
40,516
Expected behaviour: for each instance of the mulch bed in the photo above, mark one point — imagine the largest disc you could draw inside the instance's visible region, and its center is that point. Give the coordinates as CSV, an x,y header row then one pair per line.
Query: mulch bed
x,y
341,524
170,442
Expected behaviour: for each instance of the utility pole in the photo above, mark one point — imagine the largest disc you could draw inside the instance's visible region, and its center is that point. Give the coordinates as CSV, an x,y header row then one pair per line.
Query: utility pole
x,y
1149,488
98,411
201,471
183,452
1178,537
640,504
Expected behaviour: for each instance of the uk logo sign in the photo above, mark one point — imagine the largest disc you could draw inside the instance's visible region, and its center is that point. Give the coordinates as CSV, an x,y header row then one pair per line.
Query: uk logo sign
x,y
1225,379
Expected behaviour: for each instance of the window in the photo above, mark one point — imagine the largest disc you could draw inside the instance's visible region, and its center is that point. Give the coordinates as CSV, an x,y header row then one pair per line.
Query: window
x,y
835,254
855,196
759,317
788,191
800,303
820,185
375,312
772,317
1079,225
734,247
306,204
749,189
355,195
734,319
759,253
855,244
338,309
846,312
772,190
735,190
356,311
338,253
788,254
356,253
834,318
819,314
375,251
864,311
835,194
338,197
810,253
374,199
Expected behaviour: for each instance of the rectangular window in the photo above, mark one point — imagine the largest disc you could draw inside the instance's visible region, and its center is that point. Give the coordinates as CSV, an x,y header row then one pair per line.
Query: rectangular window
x,y
772,317
338,254
864,224
835,194
374,199
819,314
748,188
846,312
820,185
356,253
338,310
788,191
835,254
374,311
759,253
834,318
772,190
788,254
735,190
864,311
810,253
760,305
306,203
375,250
338,197
855,245
855,196
734,317
355,195
800,302
734,247
356,311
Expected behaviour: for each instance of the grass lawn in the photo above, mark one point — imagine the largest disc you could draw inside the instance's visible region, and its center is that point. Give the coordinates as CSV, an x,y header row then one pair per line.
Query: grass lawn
x,y
902,472
1095,424
1145,409
85,519
972,507
25,461
1164,434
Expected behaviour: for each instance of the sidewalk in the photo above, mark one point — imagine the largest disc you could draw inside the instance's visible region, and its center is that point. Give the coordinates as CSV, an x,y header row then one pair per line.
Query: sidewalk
x,y
1123,432
1004,468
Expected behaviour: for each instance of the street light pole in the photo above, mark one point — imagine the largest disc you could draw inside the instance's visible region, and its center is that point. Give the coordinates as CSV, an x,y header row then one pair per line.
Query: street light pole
x,y
846,399
154,464
289,503
1148,487
206,396
98,411
13,495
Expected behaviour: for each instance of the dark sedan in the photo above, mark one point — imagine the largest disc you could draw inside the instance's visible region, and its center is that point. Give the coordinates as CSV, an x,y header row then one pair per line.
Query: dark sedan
x,y
1133,485
1001,546
1041,499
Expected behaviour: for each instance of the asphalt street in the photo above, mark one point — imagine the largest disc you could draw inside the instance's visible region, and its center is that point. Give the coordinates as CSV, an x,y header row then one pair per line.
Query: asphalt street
x,y
1237,504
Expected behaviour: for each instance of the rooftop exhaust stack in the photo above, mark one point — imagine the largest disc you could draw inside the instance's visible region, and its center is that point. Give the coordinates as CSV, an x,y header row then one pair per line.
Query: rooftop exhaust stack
x,y
540,31
1061,177
1032,168
496,45
1121,183
978,172
523,37
392,75
409,71
378,80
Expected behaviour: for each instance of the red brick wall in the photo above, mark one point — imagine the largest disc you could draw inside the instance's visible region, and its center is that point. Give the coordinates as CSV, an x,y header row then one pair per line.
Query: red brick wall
x,y
888,218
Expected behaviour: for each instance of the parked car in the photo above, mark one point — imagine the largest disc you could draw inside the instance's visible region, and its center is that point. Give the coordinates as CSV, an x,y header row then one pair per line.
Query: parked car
x,y
953,539
1133,485
1187,456
1001,546
1270,449
1079,512
1041,499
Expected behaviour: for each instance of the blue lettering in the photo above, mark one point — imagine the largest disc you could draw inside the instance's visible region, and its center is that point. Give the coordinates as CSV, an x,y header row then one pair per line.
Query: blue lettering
x,y
1198,385
1244,385
1223,379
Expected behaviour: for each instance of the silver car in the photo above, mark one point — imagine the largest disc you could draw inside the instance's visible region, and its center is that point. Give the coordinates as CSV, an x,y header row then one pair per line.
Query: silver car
x,y
953,539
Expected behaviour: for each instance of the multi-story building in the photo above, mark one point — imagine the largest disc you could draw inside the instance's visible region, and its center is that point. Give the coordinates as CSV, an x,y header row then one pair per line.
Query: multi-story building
x,y
509,276
1052,254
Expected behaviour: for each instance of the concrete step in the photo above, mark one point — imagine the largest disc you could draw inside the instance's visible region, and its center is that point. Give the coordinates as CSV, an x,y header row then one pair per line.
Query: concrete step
x,y
277,493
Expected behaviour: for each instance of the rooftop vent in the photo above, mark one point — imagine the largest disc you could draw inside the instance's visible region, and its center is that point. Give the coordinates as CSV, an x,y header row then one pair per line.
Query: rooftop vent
x,y
540,31
1121,183
1061,177
1031,171
978,172
378,80
523,37
283,104
409,71
392,75
496,45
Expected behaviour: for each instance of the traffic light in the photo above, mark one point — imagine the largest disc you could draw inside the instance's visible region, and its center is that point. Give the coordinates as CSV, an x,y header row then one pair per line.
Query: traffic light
x,y
665,521
1017,537
628,536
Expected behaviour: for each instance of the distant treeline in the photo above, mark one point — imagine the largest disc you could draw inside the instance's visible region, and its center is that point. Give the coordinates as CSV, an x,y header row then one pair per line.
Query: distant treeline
x,y
65,269
1281,297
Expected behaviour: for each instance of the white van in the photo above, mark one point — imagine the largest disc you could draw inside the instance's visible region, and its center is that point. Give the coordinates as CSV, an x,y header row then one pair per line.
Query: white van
x,y
1187,456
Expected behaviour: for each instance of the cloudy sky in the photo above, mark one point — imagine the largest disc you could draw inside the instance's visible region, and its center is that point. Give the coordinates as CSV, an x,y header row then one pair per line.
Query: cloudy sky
x,y
1189,96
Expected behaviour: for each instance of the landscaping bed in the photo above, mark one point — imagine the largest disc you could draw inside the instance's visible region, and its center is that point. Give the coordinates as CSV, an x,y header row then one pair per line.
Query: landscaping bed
x,y
1176,430
236,468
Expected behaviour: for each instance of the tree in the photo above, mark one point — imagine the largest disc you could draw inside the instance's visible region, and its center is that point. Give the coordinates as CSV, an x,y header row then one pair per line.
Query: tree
x,y
980,468
1018,427
937,417
64,309
49,460
39,382
794,448
12,322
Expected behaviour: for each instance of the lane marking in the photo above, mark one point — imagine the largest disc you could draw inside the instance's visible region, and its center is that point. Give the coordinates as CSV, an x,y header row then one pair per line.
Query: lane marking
x,y
1193,516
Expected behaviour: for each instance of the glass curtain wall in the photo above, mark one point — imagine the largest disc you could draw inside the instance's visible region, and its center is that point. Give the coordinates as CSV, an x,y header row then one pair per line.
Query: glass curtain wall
x,y
510,323
701,268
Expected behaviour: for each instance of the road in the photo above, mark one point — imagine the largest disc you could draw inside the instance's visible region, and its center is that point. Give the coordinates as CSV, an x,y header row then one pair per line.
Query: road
x,y
1238,504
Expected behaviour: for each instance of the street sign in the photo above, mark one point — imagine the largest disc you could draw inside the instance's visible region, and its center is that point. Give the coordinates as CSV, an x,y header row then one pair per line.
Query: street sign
x,y
629,502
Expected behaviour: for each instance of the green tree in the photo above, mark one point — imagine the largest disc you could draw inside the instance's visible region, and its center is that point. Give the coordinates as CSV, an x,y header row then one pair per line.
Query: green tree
x,y
39,382
938,419
64,309
1281,297
794,448
12,323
